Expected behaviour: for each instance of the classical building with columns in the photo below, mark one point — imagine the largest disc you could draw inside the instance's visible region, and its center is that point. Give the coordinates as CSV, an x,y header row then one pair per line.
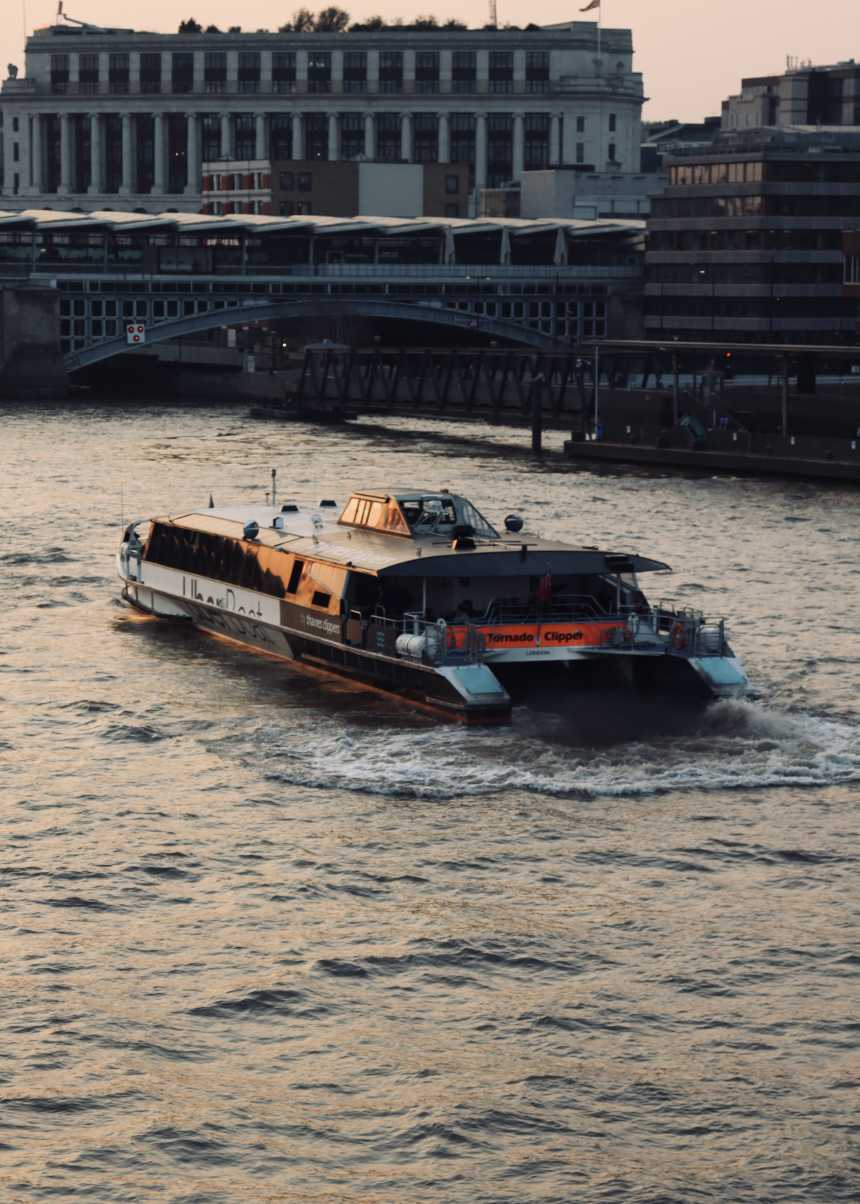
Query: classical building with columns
x,y
114,118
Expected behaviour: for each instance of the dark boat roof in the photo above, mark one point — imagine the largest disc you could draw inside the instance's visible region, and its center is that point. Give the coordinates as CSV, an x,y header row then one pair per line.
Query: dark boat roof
x,y
314,532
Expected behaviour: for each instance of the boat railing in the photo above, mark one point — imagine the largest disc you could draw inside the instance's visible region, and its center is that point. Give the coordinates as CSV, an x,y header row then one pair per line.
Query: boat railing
x,y
412,637
562,608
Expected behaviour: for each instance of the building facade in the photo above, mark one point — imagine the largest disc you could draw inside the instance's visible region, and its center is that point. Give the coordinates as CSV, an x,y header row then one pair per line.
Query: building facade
x,y
804,95
342,188
118,118
745,244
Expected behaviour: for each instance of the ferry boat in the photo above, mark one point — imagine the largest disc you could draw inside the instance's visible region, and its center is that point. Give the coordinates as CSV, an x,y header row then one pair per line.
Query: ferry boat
x,y
416,593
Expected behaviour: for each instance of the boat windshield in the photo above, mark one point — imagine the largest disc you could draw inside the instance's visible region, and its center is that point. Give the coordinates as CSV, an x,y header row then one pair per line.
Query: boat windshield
x,y
441,513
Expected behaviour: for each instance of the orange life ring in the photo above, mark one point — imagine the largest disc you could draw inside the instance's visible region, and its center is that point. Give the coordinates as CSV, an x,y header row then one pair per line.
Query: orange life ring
x,y
679,636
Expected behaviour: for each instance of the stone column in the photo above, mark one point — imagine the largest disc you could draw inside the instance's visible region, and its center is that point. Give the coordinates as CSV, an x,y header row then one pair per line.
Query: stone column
x,y
65,153
97,154
134,72
482,71
159,153
298,137
444,139
406,137
408,70
445,69
332,137
232,70
261,151
369,136
37,165
519,145
265,70
373,70
192,153
126,186
301,71
199,69
226,136
555,140
480,152
337,71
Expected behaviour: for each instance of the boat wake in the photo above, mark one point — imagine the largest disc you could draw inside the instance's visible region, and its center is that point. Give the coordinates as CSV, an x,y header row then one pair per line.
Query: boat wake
x,y
731,745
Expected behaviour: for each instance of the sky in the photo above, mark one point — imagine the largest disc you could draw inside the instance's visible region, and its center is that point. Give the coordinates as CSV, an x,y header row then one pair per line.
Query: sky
x,y
692,53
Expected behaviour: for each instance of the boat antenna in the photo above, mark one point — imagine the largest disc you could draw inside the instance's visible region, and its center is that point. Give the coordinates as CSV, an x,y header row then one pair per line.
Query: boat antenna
x,y
211,502
274,474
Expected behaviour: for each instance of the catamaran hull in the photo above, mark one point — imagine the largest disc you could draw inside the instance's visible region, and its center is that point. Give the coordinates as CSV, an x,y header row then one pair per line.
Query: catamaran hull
x,y
469,693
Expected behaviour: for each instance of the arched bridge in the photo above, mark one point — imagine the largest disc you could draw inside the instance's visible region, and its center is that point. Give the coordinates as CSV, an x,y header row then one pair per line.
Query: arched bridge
x,y
535,307
101,342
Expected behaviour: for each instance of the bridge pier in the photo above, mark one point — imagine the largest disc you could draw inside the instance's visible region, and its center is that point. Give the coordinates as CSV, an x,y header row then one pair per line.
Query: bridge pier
x,y
31,363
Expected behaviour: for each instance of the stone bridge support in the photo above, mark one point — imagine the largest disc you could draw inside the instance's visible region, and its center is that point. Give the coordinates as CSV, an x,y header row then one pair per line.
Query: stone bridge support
x,y
31,363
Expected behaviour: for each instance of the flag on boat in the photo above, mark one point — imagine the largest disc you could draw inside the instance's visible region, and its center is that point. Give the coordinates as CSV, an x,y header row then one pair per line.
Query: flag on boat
x,y
589,7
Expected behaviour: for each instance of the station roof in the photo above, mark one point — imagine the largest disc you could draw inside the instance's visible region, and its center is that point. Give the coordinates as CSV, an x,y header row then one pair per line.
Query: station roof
x,y
231,224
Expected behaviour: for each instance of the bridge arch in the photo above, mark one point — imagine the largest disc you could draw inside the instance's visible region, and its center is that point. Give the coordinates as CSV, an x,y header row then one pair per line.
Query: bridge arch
x,y
319,307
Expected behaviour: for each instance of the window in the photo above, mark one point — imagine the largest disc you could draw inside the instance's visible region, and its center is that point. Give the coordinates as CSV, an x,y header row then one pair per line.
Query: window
x,y
303,181
150,72
320,599
425,129
351,135
452,184
580,125
249,71
284,71
215,71
501,71
537,70
319,71
612,123
118,72
391,71
14,125
463,71
580,152
280,136
183,71
452,210
427,71
354,71
245,135
612,158
295,576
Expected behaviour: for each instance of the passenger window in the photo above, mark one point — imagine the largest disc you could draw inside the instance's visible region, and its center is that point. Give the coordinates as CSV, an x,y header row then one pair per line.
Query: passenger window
x,y
295,576
320,599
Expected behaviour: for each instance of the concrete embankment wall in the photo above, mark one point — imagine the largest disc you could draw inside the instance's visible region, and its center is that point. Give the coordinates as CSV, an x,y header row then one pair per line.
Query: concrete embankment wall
x,y
31,364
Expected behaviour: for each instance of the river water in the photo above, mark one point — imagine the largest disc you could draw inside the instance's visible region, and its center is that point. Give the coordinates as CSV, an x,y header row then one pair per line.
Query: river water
x,y
265,936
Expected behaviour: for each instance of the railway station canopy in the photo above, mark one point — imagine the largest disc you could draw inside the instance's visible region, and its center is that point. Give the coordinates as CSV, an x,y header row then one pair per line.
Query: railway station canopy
x,y
206,242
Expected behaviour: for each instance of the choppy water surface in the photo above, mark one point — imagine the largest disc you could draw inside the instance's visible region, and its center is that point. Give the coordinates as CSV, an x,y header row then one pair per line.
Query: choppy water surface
x,y
265,937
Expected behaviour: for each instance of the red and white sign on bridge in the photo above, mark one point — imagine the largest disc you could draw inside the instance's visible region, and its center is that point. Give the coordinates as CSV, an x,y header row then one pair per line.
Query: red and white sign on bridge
x,y
135,333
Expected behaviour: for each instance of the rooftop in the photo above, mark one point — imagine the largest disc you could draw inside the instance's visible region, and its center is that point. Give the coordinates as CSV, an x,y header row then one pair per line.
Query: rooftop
x,y
249,223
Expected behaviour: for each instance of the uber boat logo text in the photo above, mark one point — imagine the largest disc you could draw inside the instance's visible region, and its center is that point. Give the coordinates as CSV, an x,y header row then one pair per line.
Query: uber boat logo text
x,y
191,590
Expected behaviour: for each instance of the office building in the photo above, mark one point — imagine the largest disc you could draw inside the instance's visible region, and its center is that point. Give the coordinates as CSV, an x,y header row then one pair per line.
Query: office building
x,y
804,95
746,242
115,118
